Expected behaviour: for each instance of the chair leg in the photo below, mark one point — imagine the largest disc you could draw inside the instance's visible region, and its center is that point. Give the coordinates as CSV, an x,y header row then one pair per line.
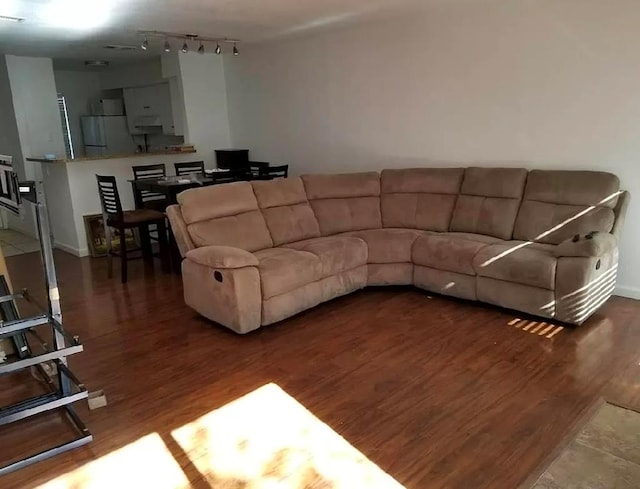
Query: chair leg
x,y
145,243
108,238
123,255
164,247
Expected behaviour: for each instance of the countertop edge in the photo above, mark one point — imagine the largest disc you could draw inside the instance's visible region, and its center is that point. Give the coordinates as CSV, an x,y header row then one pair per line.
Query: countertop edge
x,y
86,159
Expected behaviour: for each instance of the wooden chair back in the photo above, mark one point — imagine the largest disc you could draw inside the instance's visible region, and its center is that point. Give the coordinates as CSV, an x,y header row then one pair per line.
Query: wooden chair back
x,y
189,167
141,172
271,172
109,197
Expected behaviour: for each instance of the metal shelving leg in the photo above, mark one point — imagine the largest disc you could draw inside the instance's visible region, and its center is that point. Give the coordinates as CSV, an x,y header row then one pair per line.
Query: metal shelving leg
x,y
67,389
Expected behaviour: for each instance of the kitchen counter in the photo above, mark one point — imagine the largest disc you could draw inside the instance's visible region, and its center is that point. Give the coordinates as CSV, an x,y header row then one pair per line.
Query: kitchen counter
x,y
111,157
72,192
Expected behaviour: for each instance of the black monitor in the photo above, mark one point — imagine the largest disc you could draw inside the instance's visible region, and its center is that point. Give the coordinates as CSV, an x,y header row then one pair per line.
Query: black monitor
x,y
232,159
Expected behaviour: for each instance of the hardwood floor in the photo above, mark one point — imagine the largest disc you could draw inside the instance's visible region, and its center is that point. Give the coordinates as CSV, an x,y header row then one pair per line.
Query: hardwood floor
x,y
439,393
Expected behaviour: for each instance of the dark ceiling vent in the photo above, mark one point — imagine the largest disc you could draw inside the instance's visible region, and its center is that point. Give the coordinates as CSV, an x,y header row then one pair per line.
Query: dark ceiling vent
x,y
96,63
121,47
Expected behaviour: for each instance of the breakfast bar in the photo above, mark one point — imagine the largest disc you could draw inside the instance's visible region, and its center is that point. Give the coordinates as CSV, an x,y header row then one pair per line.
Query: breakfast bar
x,y
71,192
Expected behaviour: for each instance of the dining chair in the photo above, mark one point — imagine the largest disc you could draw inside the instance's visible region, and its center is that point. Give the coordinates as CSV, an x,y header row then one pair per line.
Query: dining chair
x,y
271,172
229,176
114,217
189,167
145,199
255,166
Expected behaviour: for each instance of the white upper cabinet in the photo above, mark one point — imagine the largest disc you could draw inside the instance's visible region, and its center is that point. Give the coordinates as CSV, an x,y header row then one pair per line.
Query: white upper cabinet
x,y
149,109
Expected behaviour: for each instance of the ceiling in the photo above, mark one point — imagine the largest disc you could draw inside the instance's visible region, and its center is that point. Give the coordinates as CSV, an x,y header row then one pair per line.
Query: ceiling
x,y
79,29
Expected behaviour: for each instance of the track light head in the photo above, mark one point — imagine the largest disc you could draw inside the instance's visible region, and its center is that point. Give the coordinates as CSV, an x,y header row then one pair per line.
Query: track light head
x,y
185,47
201,49
218,48
167,46
235,50
145,44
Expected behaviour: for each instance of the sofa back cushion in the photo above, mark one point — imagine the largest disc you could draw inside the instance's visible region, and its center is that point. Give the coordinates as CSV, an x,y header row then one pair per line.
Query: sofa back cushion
x,y
287,212
489,201
225,215
345,202
560,204
419,198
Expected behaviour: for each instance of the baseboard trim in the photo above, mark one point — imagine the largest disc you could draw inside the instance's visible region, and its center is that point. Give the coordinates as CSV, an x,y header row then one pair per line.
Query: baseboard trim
x,y
71,250
628,292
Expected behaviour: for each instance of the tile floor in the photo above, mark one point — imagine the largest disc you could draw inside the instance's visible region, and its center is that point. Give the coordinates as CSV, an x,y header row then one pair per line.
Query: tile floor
x,y
604,455
15,243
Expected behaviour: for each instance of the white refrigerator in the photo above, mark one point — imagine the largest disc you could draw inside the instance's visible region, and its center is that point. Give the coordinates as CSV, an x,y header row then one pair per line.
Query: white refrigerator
x,y
106,135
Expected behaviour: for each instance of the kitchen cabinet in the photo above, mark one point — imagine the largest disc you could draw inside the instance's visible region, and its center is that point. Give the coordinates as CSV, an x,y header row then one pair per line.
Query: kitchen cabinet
x,y
150,109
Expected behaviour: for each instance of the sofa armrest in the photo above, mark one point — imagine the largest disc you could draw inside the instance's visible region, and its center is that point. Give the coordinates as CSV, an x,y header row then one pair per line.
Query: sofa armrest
x,y
589,245
180,231
224,257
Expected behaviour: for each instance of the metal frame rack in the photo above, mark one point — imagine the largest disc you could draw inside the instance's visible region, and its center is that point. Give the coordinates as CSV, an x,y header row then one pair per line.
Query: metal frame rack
x,y
64,388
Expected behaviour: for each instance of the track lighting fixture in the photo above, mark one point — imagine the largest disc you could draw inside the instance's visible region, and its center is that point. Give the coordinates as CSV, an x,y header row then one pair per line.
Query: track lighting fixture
x,y
149,38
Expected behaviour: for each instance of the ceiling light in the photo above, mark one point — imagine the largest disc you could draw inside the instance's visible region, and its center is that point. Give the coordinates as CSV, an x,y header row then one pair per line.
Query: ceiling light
x,y
167,46
235,50
218,48
77,15
201,49
145,44
185,47
10,18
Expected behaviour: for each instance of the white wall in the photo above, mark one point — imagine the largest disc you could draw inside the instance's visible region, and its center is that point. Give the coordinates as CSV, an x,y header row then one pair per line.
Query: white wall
x,y
36,107
79,89
205,103
35,103
542,84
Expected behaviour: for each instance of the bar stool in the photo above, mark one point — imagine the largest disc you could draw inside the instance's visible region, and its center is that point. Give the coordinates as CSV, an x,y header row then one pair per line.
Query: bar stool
x,y
114,217
189,167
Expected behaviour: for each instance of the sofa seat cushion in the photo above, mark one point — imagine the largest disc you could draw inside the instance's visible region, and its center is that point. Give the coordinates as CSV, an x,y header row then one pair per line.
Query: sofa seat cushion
x,y
336,254
388,245
283,270
453,252
519,262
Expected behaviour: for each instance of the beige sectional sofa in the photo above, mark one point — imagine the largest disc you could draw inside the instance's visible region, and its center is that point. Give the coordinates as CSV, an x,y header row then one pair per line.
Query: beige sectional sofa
x,y
256,253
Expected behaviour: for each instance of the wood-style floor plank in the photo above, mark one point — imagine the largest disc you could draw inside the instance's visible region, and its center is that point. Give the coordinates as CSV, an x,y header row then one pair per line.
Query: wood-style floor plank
x,y
439,393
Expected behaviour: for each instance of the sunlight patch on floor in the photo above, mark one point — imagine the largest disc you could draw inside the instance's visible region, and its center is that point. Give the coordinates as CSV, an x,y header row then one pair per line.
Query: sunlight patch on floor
x,y
548,330
144,463
267,439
